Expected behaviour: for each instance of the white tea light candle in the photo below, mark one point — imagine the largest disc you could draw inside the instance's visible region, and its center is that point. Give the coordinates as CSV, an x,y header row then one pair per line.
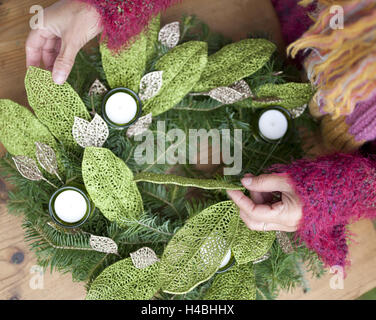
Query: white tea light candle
x,y
70,206
226,260
273,124
121,108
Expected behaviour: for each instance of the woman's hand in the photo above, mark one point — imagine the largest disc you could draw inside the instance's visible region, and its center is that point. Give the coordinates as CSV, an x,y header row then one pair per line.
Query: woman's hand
x,y
68,26
258,213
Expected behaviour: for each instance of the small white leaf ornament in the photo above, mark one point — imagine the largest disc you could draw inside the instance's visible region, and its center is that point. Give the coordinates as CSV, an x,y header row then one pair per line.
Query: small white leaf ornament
x,y
140,126
103,244
169,35
90,134
150,85
28,168
297,112
46,157
97,88
238,91
143,258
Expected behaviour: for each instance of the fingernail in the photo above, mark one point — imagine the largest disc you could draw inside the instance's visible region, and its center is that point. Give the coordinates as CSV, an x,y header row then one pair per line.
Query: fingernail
x,y
59,77
247,181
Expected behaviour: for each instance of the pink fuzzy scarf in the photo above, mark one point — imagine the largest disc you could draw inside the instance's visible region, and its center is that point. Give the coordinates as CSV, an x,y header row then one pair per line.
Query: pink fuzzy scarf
x,y
335,190
123,19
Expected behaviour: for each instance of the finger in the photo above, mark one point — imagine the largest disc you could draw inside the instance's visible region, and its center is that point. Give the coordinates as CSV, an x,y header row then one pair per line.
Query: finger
x,y
257,197
264,226
260,212
49,53
34,44
64,62
267,183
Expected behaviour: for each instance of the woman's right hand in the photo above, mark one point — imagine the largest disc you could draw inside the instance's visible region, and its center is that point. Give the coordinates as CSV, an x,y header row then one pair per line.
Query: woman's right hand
x,y
68,26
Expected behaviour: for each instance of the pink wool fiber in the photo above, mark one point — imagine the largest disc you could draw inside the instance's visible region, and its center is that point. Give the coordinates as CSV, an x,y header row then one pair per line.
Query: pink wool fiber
x,y
123,19
335,191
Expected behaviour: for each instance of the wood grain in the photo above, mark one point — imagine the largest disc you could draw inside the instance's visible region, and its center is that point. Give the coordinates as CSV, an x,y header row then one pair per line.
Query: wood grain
x,y
235,19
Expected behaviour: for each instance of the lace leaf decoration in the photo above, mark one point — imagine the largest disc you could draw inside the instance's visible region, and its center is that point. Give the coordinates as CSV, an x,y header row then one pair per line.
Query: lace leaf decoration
x,y
125,68
152,37
209,184
182,67
28,168
234,62
123,281
103,244
284,242
239,91
251,245
90,134
196,251
97,88
47,158
150,85
238,283
298,111
110,185
20,129
290,95
143,258
140,126
54,105
169,35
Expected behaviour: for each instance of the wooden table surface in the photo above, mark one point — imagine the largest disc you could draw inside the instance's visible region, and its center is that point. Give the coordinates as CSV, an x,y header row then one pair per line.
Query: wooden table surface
x,y
235,19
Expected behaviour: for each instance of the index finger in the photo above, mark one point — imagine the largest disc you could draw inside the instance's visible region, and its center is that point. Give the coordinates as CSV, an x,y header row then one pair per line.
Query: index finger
x,y
34,44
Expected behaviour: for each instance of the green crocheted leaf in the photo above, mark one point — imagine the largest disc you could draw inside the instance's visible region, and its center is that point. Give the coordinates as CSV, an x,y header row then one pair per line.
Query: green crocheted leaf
x,y
126,67
292,94
208,184
182,68
234,62
196,251
123,281
238,283
20,129
54,105
152,36
251,245
110,185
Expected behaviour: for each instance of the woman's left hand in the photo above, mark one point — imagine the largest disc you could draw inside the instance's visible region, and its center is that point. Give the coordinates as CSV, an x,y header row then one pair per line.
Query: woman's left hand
x,y
258,213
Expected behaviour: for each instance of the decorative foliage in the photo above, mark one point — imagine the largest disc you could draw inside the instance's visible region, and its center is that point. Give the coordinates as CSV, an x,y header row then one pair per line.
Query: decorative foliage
x,y
208,184
298,111
251,245
196,251
55,105
90,134
150,85
284,242
20,130
234,62
110,185
140,126
152,37
123,281
291,95
238,283
239,91
28,168
143,258
97,88
169,35
103,244
125,68
47,158
182,67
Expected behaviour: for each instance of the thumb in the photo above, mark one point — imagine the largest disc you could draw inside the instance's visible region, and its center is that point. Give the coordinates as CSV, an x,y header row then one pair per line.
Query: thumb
x,y
64,62
267,183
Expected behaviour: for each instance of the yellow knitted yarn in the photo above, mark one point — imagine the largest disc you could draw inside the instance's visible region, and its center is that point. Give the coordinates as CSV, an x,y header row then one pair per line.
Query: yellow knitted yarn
x,y
342,64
